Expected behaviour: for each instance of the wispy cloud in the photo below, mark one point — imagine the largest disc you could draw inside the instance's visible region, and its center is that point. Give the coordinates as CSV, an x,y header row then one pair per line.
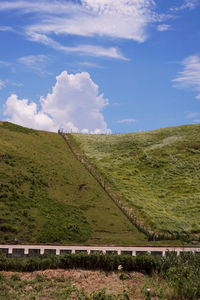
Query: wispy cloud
x,y
2,84
89,64
163,27
192,115
35,62
5,63
6,28
189,77
111,18
91,50
187,4
45,6
17,84
87,18
131,120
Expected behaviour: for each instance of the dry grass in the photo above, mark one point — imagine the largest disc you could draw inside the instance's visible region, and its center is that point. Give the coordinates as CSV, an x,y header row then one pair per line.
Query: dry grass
x,y
89,281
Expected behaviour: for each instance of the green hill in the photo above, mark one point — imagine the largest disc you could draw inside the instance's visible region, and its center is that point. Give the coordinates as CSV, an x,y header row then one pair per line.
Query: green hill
x,y
157,172
47,196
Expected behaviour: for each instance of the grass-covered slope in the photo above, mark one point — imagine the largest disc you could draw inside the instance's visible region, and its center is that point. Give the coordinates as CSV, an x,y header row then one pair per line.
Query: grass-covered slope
x,y
47,196
158,173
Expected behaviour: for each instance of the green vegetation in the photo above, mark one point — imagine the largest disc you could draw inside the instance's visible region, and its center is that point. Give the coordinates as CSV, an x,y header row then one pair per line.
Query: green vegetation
x,y
169,277
41,287
50,289
157,173
95,261
47,196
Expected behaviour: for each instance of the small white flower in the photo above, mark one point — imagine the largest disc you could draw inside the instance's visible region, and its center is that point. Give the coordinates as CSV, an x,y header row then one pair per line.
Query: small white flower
x,y
120,267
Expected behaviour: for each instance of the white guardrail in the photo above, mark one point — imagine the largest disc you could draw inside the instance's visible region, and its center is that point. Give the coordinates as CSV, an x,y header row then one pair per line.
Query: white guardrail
x,y
36,250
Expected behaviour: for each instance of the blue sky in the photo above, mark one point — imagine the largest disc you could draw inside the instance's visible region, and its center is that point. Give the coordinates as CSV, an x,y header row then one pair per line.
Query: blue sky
x,y
100,66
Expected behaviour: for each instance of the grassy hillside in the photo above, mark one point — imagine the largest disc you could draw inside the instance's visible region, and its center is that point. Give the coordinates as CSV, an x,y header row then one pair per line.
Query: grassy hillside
x,y
158,173
47,196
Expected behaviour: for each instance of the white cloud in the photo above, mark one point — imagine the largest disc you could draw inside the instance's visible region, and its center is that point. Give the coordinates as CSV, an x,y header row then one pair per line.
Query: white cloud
x,y
74,104
91,50
189,77
125,19
32,60
192,115
2,84
18,84
23,113
89,64
35,62
127,121
118,19
5,63
57,7
187,4
111,18
163,27
6,28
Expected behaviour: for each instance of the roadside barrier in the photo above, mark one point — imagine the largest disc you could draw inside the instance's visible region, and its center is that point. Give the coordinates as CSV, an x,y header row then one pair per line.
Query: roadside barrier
x,y
37,250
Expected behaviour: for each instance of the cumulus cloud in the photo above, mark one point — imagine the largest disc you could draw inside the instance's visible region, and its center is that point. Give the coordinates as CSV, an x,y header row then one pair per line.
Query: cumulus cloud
x,y
189,77
23,113
127,121
163,27
74,105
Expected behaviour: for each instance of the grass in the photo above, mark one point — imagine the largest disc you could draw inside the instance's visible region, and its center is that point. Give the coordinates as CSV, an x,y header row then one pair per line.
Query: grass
x,y
150,277
62,284
40,196
72,285
157,172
